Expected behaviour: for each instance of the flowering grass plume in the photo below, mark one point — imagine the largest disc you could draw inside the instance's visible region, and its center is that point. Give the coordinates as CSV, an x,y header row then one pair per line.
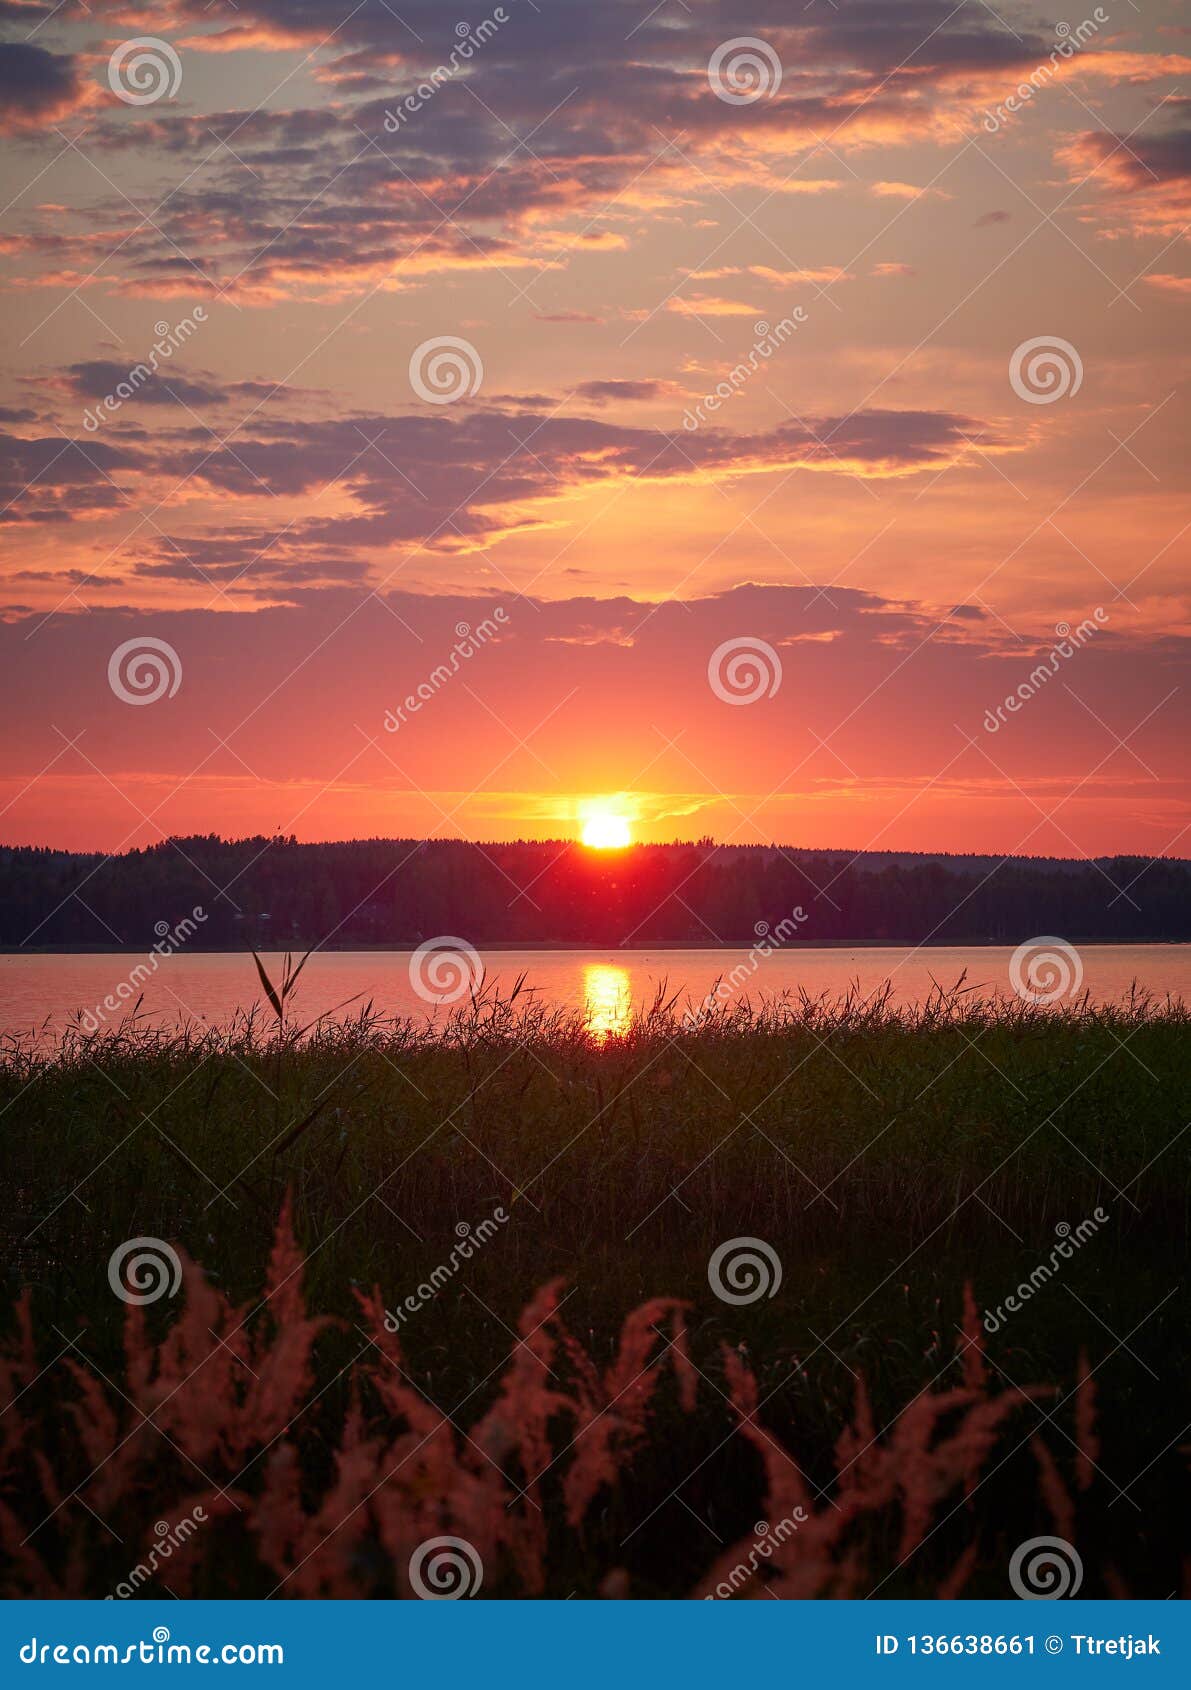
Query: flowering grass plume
x,y
313,1486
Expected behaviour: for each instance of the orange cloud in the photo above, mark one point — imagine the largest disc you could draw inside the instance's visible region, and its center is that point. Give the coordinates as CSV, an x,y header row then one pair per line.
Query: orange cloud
x,y
1169,284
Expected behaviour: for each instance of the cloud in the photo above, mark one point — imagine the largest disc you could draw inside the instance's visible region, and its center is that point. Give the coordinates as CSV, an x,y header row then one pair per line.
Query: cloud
x,y
96,378
628,391
37,87
1144,179
710,305
826,273
905,191
1167,283
54,480
304,502
619,108
462,483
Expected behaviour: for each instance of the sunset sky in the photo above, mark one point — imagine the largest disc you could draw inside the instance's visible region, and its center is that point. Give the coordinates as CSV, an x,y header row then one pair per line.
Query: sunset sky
x,y
838,231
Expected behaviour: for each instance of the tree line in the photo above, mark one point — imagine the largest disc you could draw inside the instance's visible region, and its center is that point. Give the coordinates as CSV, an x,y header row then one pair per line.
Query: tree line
x,y
275,893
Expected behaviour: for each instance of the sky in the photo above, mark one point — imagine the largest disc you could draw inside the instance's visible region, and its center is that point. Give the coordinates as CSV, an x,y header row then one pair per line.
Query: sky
x,y
758,421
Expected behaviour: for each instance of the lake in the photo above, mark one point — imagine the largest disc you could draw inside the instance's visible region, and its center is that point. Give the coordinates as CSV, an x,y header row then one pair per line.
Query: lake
x,y
41,994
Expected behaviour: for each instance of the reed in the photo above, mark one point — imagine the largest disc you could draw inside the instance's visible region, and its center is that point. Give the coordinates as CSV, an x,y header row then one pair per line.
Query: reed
x,y
888,1156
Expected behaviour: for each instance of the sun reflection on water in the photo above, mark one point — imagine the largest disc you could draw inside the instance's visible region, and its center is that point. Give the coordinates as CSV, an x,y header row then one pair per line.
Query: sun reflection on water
x,y
607,999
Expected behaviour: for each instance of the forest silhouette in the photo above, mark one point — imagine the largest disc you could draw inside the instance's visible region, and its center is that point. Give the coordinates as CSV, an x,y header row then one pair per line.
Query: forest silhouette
x,y
391,892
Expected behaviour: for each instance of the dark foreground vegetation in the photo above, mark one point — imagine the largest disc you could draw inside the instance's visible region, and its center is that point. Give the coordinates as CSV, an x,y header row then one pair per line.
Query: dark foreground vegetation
x,y
277,892
908,1171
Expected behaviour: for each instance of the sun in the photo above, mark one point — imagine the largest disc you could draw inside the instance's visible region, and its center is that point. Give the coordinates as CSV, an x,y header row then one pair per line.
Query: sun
x,y
605,829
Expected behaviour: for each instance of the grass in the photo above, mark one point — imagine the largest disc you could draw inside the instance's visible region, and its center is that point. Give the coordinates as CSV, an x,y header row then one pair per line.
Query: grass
x,y
888,1157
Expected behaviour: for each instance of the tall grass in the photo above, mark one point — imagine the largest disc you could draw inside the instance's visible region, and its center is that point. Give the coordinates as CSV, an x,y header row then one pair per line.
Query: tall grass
x,y
797,1113
888,1155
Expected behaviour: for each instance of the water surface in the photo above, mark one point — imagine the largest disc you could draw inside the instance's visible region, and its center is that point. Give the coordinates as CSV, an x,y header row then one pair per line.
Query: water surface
x,y
43,994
